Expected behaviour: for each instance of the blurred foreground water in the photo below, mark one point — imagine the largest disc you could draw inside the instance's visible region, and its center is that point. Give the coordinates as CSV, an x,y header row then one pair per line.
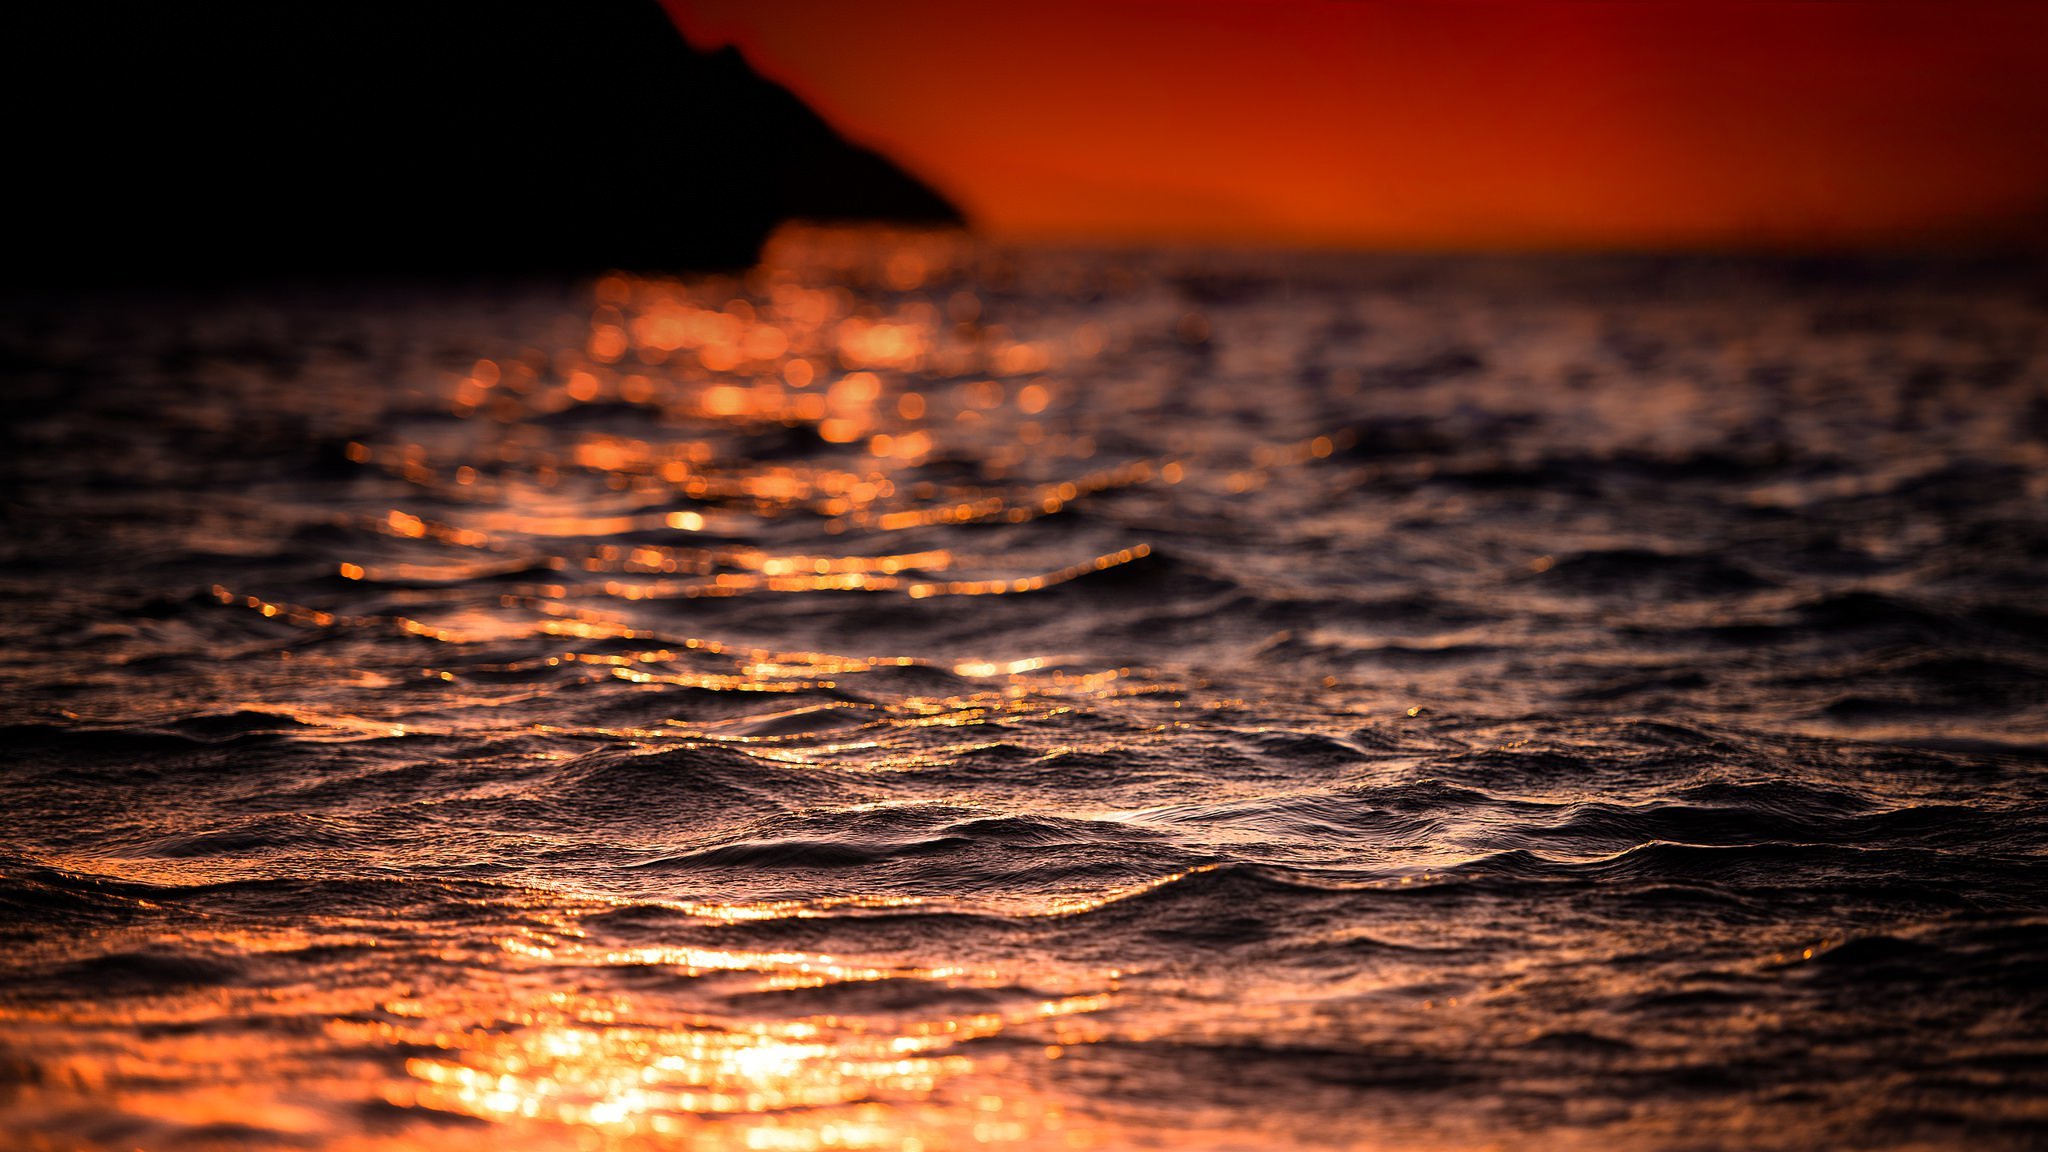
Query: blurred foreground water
x,y
916,695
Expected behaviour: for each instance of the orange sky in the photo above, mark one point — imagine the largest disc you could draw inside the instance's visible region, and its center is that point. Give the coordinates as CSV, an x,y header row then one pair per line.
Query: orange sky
x,y
1450,123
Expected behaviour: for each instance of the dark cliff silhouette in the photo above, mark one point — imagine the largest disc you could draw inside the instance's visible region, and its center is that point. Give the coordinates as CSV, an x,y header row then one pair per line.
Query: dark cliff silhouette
x,y
231,139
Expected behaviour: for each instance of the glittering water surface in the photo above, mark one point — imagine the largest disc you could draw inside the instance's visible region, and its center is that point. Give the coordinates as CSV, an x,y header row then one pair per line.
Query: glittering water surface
x,y
918,696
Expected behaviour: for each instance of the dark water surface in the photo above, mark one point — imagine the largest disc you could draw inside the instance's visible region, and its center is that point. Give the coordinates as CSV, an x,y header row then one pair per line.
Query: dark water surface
x,y
914,696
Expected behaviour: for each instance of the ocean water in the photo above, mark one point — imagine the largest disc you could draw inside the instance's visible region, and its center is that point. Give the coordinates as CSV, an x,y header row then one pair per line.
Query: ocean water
x,y
918,695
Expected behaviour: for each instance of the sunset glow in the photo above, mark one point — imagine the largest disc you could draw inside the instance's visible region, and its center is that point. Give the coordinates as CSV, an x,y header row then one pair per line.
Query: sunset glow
x,y
1462,124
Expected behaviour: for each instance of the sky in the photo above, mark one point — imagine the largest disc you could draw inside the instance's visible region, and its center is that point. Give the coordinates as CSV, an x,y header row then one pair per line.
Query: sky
x,y
1444,124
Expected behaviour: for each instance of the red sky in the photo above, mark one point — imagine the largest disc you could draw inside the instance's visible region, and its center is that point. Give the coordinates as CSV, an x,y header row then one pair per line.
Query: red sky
x,y
1449,123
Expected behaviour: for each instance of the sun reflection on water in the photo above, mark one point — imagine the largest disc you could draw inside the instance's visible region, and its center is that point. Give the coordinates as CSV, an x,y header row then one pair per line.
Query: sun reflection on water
x,y
624,1070
587,1064
783,396
784,435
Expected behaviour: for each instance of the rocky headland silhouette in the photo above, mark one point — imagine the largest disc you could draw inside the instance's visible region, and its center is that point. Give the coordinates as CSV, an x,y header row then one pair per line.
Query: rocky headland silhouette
x,y
243,139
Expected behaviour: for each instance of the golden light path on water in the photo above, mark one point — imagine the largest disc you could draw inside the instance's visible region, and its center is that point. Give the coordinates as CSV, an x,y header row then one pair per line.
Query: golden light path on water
x,y
820,1082
533,1038
564,1069
561,521
504,1043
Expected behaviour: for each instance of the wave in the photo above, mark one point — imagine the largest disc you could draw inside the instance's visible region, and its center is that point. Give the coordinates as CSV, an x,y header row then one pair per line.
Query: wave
x,y
1498,714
